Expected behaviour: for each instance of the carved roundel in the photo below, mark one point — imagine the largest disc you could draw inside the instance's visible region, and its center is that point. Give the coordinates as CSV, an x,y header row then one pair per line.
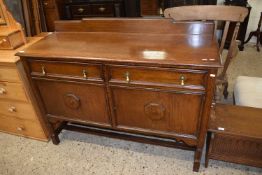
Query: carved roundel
x,y
71,101
155,111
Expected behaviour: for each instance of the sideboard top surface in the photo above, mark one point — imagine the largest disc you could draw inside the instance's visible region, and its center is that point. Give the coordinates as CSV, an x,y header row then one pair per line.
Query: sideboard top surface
x,y
164,49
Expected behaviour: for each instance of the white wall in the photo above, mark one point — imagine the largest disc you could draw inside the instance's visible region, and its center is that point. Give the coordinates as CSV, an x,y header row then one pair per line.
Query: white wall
x,y
254,15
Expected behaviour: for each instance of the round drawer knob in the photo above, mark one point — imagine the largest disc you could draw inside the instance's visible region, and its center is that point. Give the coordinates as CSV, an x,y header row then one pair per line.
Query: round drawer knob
x,y
20,128
2,91
45,3
12,109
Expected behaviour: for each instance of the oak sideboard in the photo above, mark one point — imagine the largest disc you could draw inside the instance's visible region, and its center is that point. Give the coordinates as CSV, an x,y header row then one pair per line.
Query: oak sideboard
x,y
149,80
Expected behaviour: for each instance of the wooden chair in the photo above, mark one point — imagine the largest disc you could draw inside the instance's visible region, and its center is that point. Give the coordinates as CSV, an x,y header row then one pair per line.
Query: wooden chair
x,y
215,13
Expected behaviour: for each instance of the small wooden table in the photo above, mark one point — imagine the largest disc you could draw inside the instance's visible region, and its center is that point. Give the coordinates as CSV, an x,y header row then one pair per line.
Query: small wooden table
x,y
235,135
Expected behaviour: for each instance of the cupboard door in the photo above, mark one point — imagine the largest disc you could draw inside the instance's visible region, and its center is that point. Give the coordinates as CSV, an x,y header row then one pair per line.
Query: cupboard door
x,y
153,111
74,101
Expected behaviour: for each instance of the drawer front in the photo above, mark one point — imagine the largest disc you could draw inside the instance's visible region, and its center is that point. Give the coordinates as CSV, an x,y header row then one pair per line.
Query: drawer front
x,y
73,101
102,9
21,127
17,109
9,74
67,70
4,43
79,11
157,76
12,91
158,112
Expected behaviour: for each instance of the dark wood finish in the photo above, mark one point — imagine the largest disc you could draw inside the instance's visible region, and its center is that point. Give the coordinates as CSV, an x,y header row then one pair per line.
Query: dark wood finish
x,y
150,7
176,3
242,28
82,9
51,13
257,34
124,80
241,139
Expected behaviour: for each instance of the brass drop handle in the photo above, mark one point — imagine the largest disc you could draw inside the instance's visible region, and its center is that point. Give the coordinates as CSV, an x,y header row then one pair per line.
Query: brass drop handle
x,y
43,70
12,109
85,74
102,9
2,91
127,74
20,129
81,10
182,80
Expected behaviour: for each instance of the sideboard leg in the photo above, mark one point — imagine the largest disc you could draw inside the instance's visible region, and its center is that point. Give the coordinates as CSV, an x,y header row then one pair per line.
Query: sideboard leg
x,y
55,139
197,160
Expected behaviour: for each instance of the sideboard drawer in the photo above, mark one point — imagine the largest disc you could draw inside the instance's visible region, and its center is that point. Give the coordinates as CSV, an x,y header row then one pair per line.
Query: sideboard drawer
x,y
21,127
14,91
66,70
9,74
160,76
74,101
17,109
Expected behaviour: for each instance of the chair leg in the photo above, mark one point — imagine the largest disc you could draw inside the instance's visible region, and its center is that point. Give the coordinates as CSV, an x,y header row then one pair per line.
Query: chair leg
x,y
258,40
250,36
225,92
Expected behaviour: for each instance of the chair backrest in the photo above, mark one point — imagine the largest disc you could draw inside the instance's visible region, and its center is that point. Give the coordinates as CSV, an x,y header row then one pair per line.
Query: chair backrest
x,y
215,13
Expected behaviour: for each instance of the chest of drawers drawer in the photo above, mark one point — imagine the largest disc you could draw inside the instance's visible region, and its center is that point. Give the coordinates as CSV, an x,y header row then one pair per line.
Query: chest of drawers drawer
x,y
4,43
9,74
139,75
67,70
21,127
17,109
11,40
12,91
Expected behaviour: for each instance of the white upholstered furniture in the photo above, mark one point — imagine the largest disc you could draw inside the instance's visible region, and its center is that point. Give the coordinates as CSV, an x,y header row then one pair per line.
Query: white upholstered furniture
x,y
248,91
